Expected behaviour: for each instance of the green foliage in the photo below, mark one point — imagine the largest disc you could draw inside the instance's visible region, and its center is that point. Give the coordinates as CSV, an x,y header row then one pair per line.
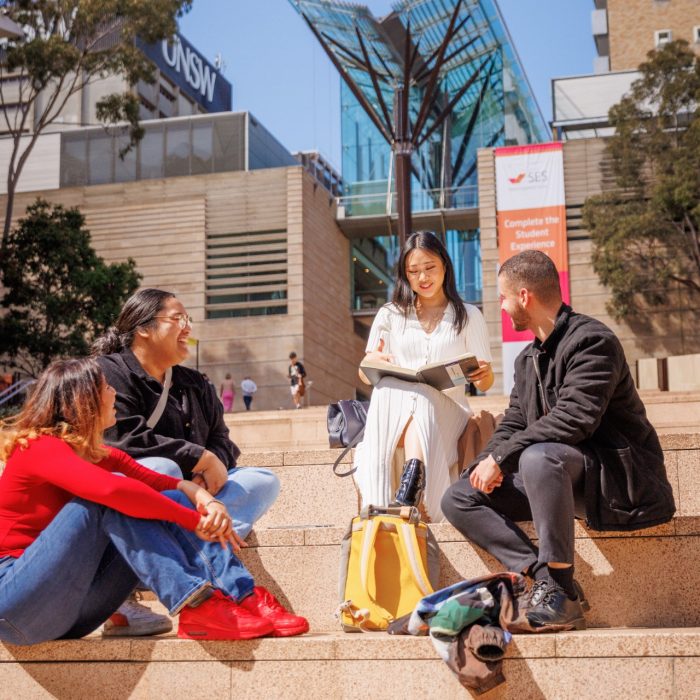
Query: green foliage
x,y
67,45
646,233
59,293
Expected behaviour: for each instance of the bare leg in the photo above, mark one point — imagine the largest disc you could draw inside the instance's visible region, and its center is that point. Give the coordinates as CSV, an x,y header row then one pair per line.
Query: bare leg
x,y
411,442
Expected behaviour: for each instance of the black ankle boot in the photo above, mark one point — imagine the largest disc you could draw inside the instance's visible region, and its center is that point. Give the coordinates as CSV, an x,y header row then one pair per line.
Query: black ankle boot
x,y
412,485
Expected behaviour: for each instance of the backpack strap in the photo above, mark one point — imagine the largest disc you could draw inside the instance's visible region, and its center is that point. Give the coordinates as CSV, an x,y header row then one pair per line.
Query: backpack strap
x,y
369,537
411,551
160,406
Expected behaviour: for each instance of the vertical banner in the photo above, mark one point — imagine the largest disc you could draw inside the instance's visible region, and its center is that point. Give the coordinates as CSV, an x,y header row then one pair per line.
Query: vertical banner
x,y
531,215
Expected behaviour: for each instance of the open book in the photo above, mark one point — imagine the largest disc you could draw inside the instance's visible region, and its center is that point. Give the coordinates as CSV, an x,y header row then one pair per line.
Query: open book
x,y
441,375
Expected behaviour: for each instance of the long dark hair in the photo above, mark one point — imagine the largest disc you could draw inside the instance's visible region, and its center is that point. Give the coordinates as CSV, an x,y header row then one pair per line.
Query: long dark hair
x,y
405,298
65,403
139,311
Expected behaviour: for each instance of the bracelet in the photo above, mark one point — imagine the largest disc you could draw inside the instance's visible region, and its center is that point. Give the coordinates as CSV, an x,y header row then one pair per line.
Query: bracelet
x,y
214,500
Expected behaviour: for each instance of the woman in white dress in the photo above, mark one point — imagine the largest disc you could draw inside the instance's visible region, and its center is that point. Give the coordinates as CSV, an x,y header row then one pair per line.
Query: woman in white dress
x,y
410,424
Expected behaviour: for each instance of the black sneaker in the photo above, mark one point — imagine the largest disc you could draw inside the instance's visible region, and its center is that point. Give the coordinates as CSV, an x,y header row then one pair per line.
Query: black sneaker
x,y
554,608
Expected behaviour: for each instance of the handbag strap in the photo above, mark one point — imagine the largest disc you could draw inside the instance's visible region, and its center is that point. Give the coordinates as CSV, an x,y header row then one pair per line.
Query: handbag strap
x,y
160,406
352,444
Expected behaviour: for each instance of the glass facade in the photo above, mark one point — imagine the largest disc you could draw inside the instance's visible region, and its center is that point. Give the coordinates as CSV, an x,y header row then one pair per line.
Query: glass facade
x,y
374,260
497,109
171,148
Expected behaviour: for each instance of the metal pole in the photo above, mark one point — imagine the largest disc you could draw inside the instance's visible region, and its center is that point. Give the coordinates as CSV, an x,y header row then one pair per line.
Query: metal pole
x,y
402,154
403,148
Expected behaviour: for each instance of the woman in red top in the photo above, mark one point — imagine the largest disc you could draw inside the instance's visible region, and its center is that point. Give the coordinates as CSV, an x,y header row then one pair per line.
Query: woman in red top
x,y
81,524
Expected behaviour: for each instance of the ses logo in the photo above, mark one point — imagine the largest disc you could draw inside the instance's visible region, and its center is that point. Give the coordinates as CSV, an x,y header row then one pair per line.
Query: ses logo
x,y
532,178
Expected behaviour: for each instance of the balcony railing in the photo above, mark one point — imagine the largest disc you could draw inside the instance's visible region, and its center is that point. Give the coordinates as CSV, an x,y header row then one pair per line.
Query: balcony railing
x,y
385,203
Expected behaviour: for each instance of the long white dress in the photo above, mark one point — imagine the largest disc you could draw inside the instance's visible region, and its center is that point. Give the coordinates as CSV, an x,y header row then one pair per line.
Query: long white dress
x,y
439,416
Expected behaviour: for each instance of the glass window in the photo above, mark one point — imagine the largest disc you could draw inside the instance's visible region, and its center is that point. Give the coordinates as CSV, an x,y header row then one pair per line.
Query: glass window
x,y
73,160
151,153
229,144
373,261
124,167
100,156
177,145
202,141
256,311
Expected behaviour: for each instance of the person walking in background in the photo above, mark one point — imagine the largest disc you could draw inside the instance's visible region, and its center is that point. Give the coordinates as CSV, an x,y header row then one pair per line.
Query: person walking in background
x,y
227,392
296,379
248,388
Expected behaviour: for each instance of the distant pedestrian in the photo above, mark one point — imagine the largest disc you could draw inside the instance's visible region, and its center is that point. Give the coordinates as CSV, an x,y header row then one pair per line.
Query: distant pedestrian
x,y
248,388
227,393
296,379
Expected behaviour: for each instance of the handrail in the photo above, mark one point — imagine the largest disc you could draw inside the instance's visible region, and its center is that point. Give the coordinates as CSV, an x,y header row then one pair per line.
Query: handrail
x,y
462,197
14,389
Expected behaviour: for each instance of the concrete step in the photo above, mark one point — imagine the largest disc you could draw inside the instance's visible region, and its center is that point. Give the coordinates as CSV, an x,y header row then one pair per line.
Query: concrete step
x,y
312,495
636,578
626,664
669,412
645,578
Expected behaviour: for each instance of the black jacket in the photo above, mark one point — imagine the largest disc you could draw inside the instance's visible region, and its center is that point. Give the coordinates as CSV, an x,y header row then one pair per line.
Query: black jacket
x,y
191,422
585,397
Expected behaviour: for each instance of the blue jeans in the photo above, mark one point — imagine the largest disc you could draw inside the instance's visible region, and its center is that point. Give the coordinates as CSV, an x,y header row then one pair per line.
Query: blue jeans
x,y
248,495
90,557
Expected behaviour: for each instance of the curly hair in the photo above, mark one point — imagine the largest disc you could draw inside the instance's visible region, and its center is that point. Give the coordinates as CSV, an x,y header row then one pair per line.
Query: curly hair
x,y
64,403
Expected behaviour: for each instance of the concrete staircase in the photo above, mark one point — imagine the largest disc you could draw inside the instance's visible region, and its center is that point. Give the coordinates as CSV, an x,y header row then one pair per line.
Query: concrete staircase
x,y
643,641
670,412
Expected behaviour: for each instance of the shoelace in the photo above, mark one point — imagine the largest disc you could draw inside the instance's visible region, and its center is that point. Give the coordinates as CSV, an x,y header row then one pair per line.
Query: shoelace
x,y
268,602
537,591
549,594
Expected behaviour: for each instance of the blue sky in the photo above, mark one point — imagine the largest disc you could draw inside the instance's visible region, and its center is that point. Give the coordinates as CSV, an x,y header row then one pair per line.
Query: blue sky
x,y
281,75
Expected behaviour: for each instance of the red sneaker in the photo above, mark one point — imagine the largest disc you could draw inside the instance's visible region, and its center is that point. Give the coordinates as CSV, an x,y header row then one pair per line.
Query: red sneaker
x,y
261,602
219,617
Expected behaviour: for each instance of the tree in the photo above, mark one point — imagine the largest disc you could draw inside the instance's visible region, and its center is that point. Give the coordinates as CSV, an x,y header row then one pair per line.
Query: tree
x,y
67,45
59,294
646,232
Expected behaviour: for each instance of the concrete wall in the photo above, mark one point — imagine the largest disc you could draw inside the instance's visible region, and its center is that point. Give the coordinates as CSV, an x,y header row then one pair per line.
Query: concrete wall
x,y
164,224
330,347
663,332
632,23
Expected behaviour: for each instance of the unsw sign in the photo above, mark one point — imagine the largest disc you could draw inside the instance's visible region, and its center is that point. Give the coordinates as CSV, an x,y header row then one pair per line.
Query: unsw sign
x,y
191,72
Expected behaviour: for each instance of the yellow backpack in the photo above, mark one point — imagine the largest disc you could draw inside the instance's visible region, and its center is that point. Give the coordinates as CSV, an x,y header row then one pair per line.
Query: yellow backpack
x,y
389,561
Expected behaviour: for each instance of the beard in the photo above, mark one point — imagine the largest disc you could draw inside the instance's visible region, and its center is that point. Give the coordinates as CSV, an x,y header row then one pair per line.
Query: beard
x,y
520,320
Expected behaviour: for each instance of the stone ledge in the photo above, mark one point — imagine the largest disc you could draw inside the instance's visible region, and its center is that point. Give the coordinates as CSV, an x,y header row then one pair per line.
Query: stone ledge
x,y
300,457
319,535
596,643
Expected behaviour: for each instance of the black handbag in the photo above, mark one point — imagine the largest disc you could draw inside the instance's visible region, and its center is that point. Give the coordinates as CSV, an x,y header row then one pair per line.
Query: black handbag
x,y
346,426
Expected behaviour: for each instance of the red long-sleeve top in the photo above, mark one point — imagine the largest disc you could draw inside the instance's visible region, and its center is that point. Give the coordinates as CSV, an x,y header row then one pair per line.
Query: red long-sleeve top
x,y
41,478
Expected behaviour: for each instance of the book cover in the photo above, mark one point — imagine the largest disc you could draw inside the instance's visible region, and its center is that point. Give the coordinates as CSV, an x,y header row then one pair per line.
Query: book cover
x,y
440,375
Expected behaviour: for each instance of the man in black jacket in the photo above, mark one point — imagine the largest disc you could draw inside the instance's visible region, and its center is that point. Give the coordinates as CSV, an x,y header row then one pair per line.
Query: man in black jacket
x,y
574,441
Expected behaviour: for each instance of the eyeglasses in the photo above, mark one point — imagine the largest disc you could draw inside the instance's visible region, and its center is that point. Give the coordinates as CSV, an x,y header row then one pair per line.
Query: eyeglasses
x,y
182,320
